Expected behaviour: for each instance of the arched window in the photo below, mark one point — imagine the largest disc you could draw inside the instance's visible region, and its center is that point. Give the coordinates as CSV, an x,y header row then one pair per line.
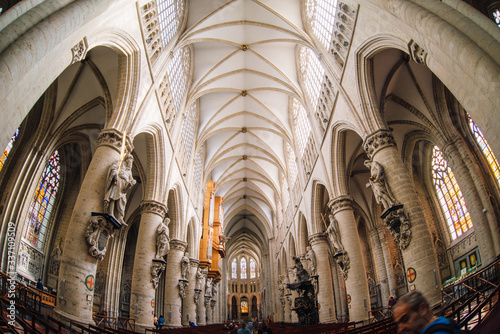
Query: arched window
x,y
170,17
285,194
234,264
450,196
187,134
243,268
42,205
485,147
291,163
252,268
312,74
8,148
321,16
301,126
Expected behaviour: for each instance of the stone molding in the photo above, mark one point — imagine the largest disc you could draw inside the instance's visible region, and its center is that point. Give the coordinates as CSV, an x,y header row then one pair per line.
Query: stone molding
x,y
378,140
194,263
113,138
341,203
151,206
179,245
317,239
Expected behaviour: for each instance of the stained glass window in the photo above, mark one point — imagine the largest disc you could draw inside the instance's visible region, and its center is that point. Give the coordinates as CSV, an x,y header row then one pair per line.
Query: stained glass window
x,y
252,268
496,16
41,207
234,264
244,306
243,268
450,196
8,148
312,73
187,134
485,147
322,17
301,125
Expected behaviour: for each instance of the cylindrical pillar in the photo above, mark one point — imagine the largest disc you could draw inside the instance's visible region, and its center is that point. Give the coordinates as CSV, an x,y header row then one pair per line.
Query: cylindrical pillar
x,y
173,301
142,292
202,311
354,272
419,256
381,268
391,280
325,292
78,267
188,303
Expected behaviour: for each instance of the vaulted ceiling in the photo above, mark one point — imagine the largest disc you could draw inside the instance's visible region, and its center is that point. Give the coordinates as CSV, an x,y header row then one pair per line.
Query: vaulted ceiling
x,y
245,73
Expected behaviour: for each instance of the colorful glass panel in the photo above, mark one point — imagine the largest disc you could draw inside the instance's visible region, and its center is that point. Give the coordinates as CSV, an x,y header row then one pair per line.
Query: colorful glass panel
x,y
8,148
252,268
450,196
496,16
234,265
244,306
485,147
41,207
243,268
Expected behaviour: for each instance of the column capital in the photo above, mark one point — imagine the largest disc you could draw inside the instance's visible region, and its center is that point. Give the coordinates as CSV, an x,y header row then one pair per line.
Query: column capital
x,y
340,203
114,139
179,245
377,141
317,239
150,206
194,262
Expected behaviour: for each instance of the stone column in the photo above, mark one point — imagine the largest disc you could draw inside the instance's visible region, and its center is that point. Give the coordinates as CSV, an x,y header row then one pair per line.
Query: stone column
x,y
294,294
173,301
354,269
202,311
142,291
476,198
380,263
325,294
78,267
391,280
188,303
419,252
287,298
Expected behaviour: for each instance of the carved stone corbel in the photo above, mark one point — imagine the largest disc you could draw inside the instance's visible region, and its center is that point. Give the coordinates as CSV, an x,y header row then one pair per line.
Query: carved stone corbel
x,y
97,234
417,53
79,51
156,269
398,222
182,288
207,300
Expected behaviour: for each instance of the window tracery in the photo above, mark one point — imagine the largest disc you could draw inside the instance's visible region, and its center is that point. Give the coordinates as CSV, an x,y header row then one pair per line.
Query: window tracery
x,y
161,20
485,148
234,264
43,202
243,268
8,149
187,135
322,17
252,268
449,195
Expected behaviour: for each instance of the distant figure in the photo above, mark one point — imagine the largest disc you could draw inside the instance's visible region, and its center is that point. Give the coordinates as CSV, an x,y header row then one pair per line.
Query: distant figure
x,y
155,321
392,302
412,314
255,324
161,322
243,329
39,284
264,329
118,182
192,324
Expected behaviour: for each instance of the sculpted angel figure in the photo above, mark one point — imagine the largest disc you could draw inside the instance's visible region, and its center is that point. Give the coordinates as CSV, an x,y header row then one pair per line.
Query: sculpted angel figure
x,y
311,256
185,265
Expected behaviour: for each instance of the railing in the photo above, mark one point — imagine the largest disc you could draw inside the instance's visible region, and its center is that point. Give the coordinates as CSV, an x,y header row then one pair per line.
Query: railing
x,y
103,321
477,316
27,295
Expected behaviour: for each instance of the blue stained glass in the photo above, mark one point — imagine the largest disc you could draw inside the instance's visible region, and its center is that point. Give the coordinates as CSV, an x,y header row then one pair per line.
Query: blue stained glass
x,y
252,268
243,269
8,148
234,265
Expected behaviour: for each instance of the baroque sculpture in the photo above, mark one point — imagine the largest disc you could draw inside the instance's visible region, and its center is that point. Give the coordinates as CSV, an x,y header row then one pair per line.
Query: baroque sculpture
x,y
333,232
162,240
311,257
185,266
97,234
118,182
378,183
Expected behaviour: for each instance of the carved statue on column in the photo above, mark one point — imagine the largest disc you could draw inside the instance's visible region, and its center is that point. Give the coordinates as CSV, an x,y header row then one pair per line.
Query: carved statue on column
x,y
182,288
208,287
119,181
55,260
199,278
162,240
333,232
378,183
311,257
185,266
281,287
214,291
97,234
302,274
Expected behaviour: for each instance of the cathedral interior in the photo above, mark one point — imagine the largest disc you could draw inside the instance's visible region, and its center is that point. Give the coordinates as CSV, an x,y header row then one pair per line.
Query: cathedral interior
x,y
189,158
